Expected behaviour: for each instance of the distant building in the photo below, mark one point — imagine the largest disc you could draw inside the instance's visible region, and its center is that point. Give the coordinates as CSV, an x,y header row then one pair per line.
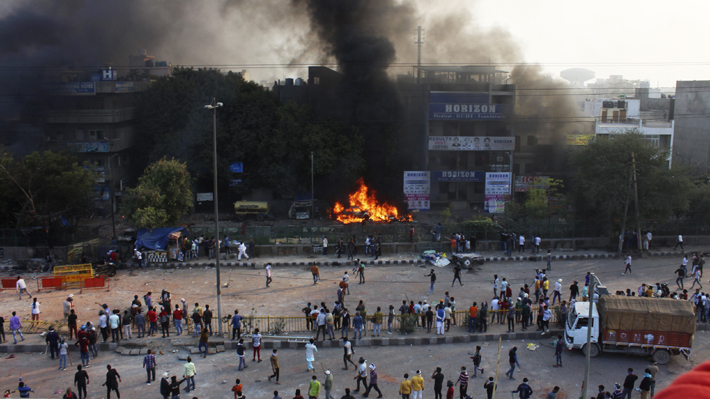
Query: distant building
x,y
652,117
692,117
94,117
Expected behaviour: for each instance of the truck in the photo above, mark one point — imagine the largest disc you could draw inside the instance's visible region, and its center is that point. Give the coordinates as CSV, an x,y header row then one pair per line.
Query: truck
x,y
656,327
260,209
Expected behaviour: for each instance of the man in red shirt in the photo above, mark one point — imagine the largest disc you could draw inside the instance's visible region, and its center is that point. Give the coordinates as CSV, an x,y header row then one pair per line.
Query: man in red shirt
x,y
83,344
177,319
237,387
153,319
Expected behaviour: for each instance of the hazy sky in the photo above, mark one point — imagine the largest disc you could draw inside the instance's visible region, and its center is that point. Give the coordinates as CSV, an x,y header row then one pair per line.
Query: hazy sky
x,y
652,40
662,41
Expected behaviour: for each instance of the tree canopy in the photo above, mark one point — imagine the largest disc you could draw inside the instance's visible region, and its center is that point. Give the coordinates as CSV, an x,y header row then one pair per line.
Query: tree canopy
x,y
603,176
272,140
163,195
41,189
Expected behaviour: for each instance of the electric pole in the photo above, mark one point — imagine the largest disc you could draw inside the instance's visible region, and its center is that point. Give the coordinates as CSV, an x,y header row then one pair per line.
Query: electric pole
x,y
419,43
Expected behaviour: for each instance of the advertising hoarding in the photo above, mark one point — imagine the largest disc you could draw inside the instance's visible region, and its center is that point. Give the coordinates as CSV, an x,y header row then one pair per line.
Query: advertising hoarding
x,y
471,143
416,189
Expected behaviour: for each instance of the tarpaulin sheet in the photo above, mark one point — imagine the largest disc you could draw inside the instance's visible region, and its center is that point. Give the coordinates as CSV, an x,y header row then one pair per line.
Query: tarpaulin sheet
x,y
157,238
648,314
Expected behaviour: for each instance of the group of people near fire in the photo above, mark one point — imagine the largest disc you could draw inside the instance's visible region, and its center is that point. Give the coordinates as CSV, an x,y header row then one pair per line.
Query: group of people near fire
x,y
149,317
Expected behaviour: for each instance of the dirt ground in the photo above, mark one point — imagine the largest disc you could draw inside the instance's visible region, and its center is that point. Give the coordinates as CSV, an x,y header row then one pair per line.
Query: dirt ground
x,y
244,288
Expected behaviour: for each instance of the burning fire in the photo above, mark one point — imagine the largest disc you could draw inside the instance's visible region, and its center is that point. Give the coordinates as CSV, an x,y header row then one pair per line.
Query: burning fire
x,y
363,205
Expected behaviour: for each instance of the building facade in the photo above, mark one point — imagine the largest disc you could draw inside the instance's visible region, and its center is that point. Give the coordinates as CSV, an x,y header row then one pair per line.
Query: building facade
x,y
692,124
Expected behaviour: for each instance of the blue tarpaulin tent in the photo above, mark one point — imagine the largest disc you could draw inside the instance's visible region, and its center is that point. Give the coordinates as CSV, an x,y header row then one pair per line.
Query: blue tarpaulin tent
x,y
157,238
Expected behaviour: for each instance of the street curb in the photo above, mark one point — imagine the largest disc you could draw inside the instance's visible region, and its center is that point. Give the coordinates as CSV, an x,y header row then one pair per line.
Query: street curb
x,y
528,258
387,340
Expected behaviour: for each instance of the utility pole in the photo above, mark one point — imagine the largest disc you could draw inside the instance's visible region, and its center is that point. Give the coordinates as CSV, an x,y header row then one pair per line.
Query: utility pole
x,y
313,196
419,43
636,199
623,221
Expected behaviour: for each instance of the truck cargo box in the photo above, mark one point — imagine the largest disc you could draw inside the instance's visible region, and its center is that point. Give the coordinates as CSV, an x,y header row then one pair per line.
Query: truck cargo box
x,y
647,321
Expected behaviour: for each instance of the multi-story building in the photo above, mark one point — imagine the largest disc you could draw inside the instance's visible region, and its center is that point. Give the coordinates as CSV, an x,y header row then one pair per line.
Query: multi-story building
x,y
692,124
652,117
460,117
96,120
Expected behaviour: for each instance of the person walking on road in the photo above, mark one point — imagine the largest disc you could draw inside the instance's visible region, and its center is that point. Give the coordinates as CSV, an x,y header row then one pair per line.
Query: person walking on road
x,y
628,265
524,391
16,327
462,382
240,354
347,353
680,242
432,277
696,279
189,371
242,251
373,382
21,287
513,361
274,359
81,380
405,387
268,274
361,374
629,382
149,366
477,361
328,384
112,380
680,271
559,347
417,385
311,350
457,275
315,272
313,388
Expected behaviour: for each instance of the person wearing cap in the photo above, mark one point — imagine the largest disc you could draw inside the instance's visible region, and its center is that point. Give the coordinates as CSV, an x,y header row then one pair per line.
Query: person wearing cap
x,y
52,339
314,388
165,386
524,391
405,387
417,385
373,381
328,384
361,374
557,291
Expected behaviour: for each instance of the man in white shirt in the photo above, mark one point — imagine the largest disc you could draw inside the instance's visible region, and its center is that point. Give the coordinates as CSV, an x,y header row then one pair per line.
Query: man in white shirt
x,y
494,310
242,251
537,244
647,242
680,242
557,294
521,244
268,274
311,354
325,246
21,287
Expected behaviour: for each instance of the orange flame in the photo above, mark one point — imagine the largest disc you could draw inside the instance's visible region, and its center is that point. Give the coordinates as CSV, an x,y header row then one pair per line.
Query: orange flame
x,y
364,202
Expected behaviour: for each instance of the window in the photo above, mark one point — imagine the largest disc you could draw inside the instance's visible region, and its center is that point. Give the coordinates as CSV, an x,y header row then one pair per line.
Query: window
x,y
96,135
316,80
532,140
516,169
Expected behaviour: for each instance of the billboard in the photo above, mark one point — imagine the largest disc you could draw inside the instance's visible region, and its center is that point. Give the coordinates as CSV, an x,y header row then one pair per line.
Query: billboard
x,y
73,88
495,203
497,183
579,139
439,111
458,175
123,87
416,189
525,183
471,143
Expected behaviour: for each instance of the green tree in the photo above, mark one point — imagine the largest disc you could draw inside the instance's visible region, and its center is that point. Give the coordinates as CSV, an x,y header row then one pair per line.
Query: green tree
x,y
163,195
41,189
536,204
602,182
272,140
